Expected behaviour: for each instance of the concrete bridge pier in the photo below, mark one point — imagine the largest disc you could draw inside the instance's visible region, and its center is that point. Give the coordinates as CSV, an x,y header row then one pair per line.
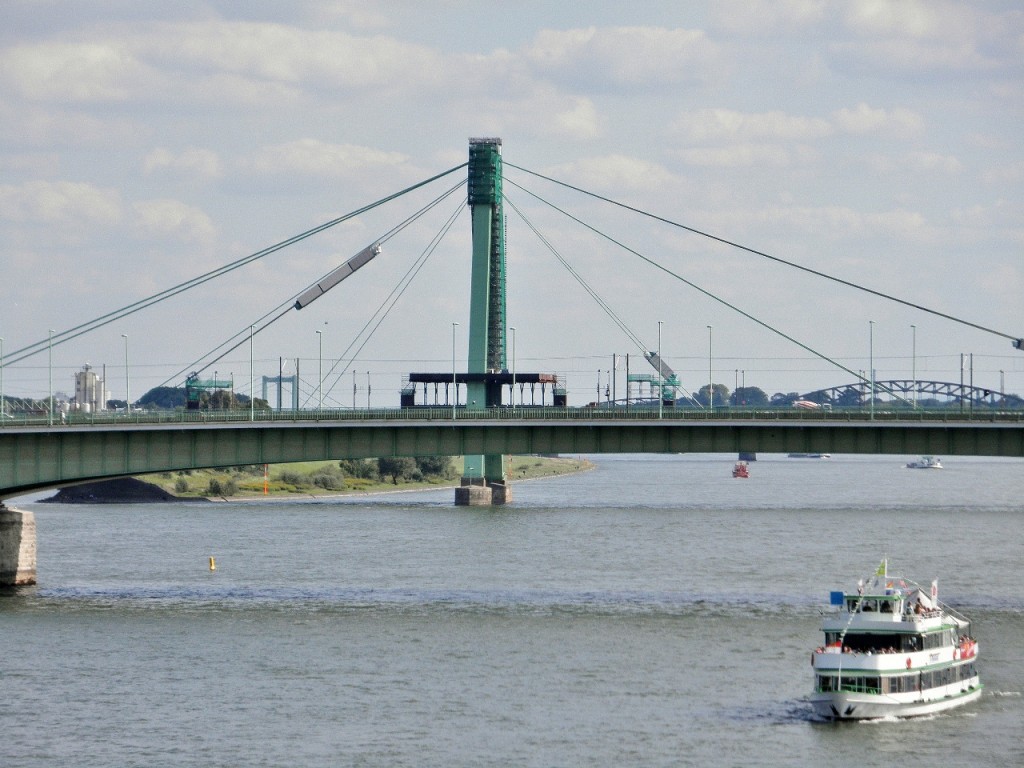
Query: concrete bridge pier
x,y
477,492
17,547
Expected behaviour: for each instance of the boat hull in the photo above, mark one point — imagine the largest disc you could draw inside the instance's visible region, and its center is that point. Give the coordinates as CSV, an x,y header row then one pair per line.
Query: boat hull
x,y
863,706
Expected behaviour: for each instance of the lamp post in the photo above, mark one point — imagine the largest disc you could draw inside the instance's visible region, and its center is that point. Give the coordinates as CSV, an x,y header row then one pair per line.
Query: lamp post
x,y
455,390
252,390
913,361
2,404
661,374
871,364
127,382
49,365
513,329
320,369
711,384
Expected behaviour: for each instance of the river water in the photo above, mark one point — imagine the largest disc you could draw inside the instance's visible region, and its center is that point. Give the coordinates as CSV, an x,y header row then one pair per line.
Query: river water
x,y
653,611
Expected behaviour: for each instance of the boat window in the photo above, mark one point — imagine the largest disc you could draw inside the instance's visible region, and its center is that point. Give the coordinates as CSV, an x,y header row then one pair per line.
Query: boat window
x,y
873,643
869,606
911,643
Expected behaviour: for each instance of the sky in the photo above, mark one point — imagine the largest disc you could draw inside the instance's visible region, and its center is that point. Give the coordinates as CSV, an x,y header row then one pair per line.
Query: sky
x,y
145,144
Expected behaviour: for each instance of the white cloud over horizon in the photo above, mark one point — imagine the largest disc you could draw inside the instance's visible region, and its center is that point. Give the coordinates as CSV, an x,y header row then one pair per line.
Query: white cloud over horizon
x,y
875,139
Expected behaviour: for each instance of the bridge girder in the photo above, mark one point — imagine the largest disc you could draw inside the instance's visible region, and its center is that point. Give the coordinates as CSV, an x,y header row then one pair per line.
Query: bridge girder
x,y
31,459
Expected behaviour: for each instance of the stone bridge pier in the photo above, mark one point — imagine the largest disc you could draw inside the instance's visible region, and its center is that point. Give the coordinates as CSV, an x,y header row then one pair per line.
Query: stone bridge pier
x,y
17,547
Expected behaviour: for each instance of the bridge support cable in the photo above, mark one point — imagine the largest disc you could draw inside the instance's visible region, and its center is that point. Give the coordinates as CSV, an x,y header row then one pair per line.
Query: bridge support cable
x,y
378,317
71,333
1017,342
260,324
660,366
698,288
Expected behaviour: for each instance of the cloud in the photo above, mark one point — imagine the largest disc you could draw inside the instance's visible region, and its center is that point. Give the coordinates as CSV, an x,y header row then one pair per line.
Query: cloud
x,y
623,56
31,125
35,163
614,172
760,16
172,218
925,162
65,204
908,18
220,61
100,71
319,158
736,156
927,37
718,124
863,119
192,161
276,53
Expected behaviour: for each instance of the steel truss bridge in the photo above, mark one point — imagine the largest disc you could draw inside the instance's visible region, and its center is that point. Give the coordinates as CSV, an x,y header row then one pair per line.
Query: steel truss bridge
x,y
860,392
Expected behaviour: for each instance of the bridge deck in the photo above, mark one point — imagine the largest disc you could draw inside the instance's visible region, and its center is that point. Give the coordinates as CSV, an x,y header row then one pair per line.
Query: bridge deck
x,y
36,455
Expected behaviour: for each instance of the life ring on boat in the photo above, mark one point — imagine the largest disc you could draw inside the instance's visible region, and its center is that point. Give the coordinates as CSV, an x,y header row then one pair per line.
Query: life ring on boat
x,y
908,663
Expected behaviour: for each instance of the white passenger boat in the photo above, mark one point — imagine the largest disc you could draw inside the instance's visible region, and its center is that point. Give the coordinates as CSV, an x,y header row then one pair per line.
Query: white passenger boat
x,y
893,650
926,462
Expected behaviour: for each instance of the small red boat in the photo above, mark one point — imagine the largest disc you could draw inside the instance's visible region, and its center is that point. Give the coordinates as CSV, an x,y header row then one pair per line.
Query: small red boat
x,y
740,469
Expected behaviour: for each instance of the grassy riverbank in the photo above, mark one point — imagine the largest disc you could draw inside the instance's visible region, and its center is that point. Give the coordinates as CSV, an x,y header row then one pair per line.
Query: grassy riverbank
x,y
327,478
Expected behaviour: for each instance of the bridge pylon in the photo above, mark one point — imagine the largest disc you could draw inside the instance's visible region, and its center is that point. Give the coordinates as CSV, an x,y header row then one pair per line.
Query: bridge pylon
x,y
483,479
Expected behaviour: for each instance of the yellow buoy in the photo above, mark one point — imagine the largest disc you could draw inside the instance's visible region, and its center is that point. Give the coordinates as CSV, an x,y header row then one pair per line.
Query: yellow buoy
x,y
213,564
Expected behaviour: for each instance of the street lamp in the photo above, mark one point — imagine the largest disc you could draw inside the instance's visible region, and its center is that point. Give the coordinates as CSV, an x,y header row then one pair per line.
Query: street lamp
x,y
711,384
127,387
320,368
49,355
2,405
455,390
661,375
871,363
913,361
252,390
513,329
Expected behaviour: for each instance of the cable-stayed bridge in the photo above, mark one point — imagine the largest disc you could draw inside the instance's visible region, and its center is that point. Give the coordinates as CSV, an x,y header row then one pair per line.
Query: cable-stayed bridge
x,y
478,421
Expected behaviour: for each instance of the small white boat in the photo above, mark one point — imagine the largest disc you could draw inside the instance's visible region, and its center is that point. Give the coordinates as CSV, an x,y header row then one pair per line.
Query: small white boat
x,y
926,462
809,455
893,650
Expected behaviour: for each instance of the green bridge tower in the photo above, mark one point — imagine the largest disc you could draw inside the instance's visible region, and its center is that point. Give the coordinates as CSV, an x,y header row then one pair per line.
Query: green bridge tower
x,y
483,480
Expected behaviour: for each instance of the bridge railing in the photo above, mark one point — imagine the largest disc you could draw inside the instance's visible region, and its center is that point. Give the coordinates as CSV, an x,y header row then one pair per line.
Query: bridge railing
x,y
507,413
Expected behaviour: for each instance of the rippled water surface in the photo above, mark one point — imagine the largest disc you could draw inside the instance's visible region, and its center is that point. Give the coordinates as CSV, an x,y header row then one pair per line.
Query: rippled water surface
x,y
654,611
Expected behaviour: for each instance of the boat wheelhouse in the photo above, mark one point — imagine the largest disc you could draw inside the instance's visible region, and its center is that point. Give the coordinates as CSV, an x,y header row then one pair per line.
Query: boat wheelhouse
x,y
893,650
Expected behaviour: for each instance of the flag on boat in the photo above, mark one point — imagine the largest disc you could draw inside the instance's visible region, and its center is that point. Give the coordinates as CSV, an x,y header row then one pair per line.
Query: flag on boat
x,y
882,569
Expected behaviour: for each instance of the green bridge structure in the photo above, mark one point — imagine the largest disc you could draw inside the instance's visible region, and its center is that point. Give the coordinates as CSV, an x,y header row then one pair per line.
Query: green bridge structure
x,y
37,453
34,457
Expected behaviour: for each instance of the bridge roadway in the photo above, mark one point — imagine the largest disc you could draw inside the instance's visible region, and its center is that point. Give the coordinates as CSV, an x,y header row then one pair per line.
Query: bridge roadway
x,y
36,455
